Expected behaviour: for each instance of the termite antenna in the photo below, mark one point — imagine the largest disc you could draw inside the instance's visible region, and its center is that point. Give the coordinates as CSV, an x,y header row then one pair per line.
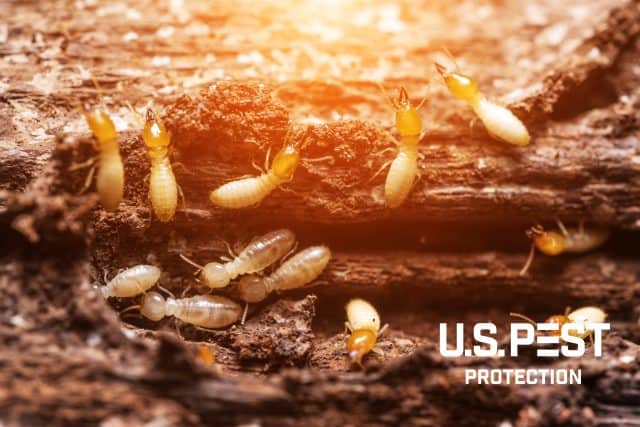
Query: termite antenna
x,y
167,291
561,227
99,90
403,97
188,261
523,317
130,308
136,115
424,99
532,253
151,115
441,69
287,135
451,57
389,97
305,143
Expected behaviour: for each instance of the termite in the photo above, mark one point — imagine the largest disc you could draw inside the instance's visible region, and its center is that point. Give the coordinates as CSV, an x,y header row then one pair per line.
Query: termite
x,y
499,121
581,316
163,188
110,175
250,191
363,321
131,282
404,167
299,270
206,311
255,257
569,240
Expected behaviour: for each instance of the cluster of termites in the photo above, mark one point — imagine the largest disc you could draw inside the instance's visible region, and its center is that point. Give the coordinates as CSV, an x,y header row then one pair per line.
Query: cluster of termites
x,y
254,283
217,311
403,171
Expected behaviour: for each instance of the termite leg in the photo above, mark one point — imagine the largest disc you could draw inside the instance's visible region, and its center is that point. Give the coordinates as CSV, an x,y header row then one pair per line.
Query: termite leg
x,y
382,168
175,322
184,292
129,309
182,198
472,124
247,175
244,313
88,180
384,150
532,253
288,254
378,351
562,227
289,190
330,160
181,166
383,329
418,176
256,167
391,137
266,159
581,227
266,162
230,250
347,327
200,328
82,165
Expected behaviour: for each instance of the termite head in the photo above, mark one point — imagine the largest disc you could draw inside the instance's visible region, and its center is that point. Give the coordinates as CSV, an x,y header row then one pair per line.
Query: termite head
x,y
100,124
205,355
460,85
285,163
547,242
252,289
364,322
153,306
360,343
408,120
155,134
215,275
560,319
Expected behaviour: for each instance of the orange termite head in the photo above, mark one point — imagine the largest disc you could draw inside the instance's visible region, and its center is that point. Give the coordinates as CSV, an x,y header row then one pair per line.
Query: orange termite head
x,y
460,85
547,242
408,120
205,355
100,124
155,135
360,343
285,163
560,319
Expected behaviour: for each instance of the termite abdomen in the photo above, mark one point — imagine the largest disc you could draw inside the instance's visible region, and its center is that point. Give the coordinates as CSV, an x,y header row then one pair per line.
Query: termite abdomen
x,y
132,281
297,271
207,311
